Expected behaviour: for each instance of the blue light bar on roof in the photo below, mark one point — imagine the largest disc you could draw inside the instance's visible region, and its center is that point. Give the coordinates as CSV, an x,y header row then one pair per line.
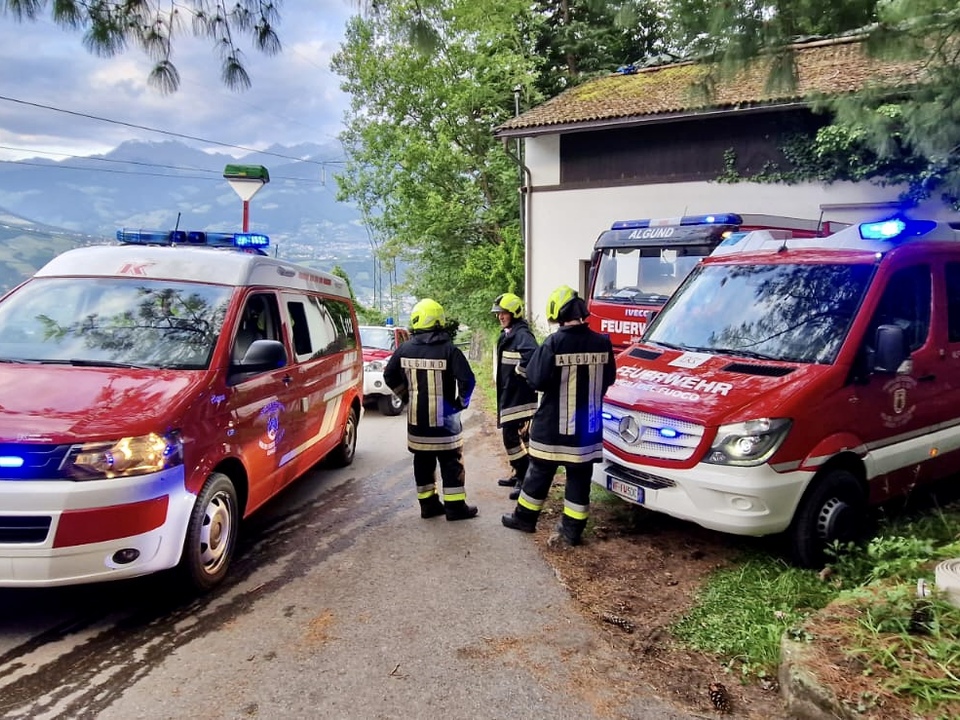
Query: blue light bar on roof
x,y
895,228
717,219
194,237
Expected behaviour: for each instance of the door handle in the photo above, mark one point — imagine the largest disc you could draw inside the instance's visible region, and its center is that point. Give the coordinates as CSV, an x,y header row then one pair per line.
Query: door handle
x,y
927,378
287,379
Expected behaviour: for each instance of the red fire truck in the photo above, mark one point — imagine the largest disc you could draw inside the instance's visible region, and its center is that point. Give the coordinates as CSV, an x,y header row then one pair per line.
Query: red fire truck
x,y
637,264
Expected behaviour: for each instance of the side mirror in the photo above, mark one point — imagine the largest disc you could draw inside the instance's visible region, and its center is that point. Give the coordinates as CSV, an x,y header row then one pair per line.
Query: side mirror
x,y
890,349
262,355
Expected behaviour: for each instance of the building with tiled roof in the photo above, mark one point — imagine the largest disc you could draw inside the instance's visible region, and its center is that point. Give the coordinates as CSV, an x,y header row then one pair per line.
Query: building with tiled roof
x,y
650,143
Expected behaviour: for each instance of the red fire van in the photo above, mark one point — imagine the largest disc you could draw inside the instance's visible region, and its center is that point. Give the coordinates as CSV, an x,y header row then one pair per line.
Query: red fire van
x,y
790,382
154,393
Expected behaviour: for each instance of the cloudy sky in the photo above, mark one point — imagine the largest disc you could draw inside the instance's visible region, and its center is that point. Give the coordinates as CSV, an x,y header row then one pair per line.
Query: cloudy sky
x,y
49,83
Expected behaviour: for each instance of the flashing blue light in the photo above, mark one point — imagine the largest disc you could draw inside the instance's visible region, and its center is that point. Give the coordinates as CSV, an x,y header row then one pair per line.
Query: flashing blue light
x,y
718,219
10,461
194,237
895,228
388,322
883,230
251,240
668,432
606,416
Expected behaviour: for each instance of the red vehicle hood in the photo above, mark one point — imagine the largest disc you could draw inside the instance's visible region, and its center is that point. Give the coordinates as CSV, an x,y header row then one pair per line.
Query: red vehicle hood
x,y
370,354
707,389
57,403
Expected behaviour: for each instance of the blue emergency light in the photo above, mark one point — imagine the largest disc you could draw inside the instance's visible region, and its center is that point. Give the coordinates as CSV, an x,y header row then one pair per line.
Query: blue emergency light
x,y
719,219
895,228
245,241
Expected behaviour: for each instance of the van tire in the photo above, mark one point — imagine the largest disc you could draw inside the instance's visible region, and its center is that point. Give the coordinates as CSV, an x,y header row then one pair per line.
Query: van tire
x,y
390,404
211,538
342,455
833,509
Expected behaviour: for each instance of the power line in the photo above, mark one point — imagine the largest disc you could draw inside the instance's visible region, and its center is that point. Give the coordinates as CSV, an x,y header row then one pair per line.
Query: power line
x,y
217,175
169,133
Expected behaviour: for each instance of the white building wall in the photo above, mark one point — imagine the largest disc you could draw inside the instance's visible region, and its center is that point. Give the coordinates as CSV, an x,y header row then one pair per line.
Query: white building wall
x,y
562,225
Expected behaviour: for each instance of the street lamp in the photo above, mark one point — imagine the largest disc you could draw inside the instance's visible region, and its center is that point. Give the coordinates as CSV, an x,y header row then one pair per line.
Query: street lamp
x,y
246,180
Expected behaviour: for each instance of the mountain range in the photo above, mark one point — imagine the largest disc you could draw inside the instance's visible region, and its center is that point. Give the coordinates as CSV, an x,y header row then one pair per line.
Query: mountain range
x,y
49,206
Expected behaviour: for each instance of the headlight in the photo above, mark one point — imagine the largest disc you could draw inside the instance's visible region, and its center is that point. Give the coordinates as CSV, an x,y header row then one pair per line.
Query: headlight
x,y
124,457
748,443
373,366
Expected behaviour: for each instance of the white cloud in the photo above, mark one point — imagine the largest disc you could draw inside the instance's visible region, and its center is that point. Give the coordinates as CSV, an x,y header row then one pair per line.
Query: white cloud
x,y
294,96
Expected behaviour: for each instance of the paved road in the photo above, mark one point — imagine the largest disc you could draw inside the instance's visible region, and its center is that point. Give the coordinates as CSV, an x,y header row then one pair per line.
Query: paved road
x,y
342,604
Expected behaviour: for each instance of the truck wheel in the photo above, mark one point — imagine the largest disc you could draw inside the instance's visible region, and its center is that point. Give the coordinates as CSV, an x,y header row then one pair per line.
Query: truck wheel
x,y
211,538
390,404
342,454
832,510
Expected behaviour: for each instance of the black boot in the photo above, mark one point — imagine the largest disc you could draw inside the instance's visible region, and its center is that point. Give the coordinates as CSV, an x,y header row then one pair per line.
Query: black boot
x,y
568,531
459,510
508,482
514,494
431,507
521,519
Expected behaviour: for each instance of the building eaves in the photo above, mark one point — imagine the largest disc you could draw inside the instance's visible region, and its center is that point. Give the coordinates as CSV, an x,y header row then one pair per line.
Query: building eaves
x,y
665,92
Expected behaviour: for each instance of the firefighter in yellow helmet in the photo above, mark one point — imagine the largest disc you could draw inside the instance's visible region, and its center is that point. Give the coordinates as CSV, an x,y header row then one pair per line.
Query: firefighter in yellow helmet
x,y
434,377
572,369
516,400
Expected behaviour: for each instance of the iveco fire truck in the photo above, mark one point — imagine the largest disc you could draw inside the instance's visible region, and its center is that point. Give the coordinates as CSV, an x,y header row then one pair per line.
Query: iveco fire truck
x,y
637,264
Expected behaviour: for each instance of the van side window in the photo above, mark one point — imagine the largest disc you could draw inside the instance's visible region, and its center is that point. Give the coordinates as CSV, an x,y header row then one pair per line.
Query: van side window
x,y
905,303
259,321
953,301
321,326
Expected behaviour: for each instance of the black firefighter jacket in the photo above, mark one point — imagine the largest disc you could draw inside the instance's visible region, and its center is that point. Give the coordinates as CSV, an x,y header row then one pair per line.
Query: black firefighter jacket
x,y
516,400
437,382
573,369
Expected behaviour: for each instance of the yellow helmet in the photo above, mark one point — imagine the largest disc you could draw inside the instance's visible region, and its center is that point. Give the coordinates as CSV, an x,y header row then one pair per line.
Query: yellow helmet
x,y
557,300
508,302
426,315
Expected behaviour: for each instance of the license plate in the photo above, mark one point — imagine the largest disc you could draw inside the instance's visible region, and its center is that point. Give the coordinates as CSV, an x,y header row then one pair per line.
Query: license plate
x,y
625,489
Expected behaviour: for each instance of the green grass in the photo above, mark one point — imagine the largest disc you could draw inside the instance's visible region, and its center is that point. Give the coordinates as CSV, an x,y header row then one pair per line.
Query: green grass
x,y
742,612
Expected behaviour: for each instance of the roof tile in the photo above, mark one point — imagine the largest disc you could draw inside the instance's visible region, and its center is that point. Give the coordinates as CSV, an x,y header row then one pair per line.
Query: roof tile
x,y
823,67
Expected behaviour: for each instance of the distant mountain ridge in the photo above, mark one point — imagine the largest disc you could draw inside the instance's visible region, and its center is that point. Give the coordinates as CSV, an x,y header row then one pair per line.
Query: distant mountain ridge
x,y
162,185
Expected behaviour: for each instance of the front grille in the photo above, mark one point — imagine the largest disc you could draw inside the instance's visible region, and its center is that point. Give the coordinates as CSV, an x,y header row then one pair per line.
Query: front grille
x,y
40,461
651,439
24,529
638,477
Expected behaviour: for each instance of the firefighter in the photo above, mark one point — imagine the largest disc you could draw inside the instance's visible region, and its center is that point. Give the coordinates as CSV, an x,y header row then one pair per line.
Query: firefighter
x,y
516,400
572,369
432,375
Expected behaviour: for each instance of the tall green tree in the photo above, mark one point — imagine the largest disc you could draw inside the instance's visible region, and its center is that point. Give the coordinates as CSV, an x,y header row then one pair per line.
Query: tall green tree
x,y
110,27
912,130
428,82
580,38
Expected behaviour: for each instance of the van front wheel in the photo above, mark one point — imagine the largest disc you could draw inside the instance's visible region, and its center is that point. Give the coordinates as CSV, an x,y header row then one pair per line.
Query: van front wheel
x,y
390,404
211,534
832,510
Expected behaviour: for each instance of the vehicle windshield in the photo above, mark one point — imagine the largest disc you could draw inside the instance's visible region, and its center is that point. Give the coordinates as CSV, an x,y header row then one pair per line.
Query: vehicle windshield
x,y
644,276
113,322
796,313
377,337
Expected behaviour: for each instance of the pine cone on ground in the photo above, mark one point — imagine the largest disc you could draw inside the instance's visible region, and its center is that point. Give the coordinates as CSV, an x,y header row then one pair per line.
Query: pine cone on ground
x,y
720,697
620,622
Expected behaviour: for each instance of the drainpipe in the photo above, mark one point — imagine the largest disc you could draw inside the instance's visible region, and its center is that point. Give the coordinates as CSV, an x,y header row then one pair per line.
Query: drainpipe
x,y
526,224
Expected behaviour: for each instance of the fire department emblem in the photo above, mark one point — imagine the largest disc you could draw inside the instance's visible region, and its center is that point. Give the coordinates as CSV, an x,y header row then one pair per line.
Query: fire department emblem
x,y
901,406
273,431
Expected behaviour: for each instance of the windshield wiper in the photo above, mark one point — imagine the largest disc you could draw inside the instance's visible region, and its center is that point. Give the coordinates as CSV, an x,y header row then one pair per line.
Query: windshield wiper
x,y
78,362
745,353
20,361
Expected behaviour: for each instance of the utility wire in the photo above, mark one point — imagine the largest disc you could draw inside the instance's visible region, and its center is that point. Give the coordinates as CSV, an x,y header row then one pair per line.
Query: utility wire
x,y
169,133
216,173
